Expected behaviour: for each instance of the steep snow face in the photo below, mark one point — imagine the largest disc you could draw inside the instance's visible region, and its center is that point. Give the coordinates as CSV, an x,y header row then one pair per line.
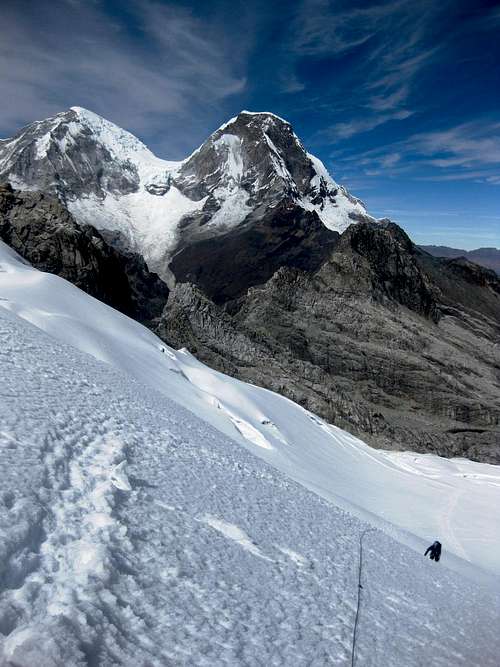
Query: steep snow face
x,y
417,498
122,145
147,224
336,207
231,198
110,179
256,159
133,533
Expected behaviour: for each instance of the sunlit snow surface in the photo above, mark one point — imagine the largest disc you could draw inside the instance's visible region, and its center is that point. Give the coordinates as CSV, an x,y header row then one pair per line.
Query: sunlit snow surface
x,y
134,532
159,216
427,496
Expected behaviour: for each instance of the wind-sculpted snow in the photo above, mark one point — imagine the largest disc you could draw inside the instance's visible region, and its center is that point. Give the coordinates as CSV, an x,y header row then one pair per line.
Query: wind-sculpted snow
x,y
133,533
415,497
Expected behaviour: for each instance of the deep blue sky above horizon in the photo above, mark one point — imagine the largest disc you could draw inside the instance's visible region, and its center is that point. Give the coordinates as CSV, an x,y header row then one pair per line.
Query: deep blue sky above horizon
x,y
400,99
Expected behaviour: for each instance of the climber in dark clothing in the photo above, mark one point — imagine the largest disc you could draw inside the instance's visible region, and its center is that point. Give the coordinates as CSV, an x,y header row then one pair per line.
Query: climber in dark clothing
x,y
435,550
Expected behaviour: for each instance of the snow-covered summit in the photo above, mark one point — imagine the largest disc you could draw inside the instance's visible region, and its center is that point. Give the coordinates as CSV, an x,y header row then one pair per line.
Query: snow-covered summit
x,y
110,179
122,145
78,153
263,114
261,154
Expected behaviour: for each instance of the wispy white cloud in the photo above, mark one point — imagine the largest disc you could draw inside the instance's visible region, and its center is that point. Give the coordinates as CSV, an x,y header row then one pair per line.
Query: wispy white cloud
x,y
385,102
325,28
468,151
393,39
73,53
348,129
468,144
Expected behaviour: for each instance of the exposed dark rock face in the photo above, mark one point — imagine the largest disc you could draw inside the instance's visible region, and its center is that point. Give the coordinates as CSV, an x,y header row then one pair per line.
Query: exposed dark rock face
x,y
370,341
261,141
384,258
285,236
462,285
42,231
274,194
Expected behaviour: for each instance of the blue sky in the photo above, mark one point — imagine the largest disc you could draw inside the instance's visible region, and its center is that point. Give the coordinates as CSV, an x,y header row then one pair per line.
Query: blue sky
x,y
400,99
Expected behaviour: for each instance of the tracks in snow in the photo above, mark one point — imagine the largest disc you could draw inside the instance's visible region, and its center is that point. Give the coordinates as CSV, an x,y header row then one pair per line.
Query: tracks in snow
x,y
82,538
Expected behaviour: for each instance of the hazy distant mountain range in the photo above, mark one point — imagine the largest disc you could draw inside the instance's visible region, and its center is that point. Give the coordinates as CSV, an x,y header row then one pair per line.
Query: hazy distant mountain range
x,y
488,257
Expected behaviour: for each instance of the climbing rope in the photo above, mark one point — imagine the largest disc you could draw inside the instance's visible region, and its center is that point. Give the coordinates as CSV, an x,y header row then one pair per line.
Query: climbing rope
x,y
360,571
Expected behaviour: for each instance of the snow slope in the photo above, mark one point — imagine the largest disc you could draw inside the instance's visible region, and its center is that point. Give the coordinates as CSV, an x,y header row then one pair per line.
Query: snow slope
x,y
149,223
134,533
336,216
415,497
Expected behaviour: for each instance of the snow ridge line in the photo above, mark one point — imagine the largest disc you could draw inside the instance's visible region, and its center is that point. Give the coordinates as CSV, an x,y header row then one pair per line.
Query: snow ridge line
x,y
84,475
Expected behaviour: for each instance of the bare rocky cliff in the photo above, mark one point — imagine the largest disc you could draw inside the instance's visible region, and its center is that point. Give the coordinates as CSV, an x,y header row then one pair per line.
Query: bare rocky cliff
x,y
41,230
395,346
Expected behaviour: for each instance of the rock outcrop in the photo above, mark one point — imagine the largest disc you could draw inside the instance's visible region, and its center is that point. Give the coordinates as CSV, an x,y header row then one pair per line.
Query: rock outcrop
x,y
41,230
284,236
384,340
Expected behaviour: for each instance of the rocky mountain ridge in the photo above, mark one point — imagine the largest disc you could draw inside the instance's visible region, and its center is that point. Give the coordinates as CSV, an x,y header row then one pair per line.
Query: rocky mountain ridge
x,y
278,276
383,340
487,257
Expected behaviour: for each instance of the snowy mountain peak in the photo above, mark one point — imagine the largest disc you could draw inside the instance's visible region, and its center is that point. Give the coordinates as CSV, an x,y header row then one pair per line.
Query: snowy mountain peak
x,y
256,116
256,125
264,114
77,153
107,177
121,143
255,160
72,154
